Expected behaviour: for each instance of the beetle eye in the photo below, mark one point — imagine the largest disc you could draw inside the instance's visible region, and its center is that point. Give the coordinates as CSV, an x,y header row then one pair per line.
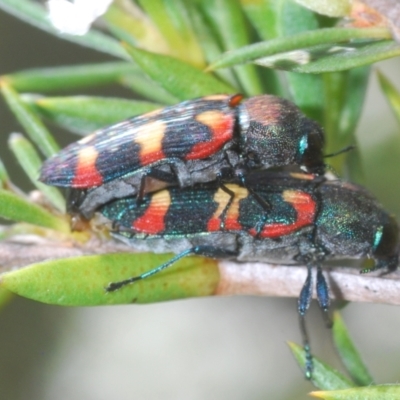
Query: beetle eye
x,y
303,144
386,240
310,149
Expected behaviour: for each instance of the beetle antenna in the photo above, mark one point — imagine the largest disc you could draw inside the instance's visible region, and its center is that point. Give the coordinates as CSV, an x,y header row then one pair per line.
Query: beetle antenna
x,y
344,150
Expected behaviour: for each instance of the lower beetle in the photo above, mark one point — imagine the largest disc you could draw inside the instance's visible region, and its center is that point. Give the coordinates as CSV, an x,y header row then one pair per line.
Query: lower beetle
x,y
310,220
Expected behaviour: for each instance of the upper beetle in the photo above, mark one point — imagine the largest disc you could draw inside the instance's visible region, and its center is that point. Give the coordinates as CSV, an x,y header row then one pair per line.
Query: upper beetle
x,y
191,142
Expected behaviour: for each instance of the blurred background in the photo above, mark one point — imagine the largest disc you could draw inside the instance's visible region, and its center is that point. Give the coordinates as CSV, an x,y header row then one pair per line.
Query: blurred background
x,y
214,348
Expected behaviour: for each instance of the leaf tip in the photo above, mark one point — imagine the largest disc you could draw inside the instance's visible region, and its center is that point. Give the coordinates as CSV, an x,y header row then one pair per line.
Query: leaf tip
x,y
4,80
319,394
15,137
4,84
294,347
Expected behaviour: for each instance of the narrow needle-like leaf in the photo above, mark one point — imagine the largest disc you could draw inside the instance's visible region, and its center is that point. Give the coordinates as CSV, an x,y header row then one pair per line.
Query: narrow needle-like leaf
x,y
31,163
15,208
29,120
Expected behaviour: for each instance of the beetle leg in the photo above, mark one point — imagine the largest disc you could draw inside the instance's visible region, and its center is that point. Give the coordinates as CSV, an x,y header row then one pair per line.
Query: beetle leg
x,y
140,194
181,172
75,198
206,251
262,202
303,304
323,296
231,194
390,263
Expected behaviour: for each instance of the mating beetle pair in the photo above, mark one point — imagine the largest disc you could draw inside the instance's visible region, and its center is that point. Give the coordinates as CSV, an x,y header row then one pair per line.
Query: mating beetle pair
x,y
207,150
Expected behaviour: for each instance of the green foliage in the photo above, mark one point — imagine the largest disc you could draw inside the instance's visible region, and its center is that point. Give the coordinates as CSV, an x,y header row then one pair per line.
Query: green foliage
x,y
182,80
381,392
349,354
29,120
16,208
391,93
85,114
81,281
333,384
323,376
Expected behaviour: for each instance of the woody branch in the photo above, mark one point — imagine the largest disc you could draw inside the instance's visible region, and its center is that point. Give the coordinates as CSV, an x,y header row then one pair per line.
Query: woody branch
x,y
257,279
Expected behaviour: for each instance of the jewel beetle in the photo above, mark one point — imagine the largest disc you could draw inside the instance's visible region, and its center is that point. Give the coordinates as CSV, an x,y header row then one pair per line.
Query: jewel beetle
x,y
194,141
310,220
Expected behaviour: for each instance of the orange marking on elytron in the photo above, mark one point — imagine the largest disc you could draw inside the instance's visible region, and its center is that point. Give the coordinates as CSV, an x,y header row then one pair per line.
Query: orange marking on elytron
x,y
216,97
232,214
152,221
87,139
150,140
306,209
299,175
86,173
221,127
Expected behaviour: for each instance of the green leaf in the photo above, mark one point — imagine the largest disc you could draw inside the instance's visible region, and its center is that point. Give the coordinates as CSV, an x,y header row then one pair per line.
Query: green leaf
x,y
6,183
31,123
283,18
348,353
344,99
351,57
332,8
211,47
334,93
323,376
264,17
130,24
71,77
379,392
306,90
191,51
392,94
355,165
302,40
16,208
84,114
5,297
294,19
229,22
81,281
355,87
36,15
31,163
380,163
142,85
4,178
171,18
178,78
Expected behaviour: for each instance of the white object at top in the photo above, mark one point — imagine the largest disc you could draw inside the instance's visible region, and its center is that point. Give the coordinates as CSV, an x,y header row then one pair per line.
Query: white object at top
x,y
75,17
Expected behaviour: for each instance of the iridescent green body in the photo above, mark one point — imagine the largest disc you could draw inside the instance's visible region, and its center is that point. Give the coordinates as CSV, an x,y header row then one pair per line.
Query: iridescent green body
x,y
309,219
352,222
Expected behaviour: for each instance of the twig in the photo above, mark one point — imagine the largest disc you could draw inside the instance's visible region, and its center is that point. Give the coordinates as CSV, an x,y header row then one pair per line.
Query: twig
x,y
256,279
286,281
